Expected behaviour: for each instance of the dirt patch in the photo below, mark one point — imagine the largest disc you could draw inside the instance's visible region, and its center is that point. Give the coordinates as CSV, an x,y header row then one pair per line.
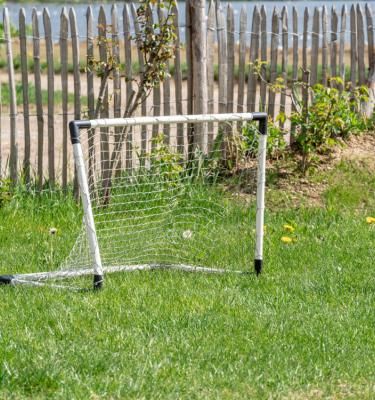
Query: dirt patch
x,y
286,186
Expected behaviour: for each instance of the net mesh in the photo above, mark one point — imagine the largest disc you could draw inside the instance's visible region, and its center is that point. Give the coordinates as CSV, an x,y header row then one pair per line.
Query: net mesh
x,y
160,196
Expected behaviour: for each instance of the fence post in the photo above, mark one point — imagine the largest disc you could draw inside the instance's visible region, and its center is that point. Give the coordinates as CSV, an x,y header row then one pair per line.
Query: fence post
x,y
324,46
128,81
13,160
178,81
25,94
361,46
295,70
371,59
305,89
342,47
263,58
51,100
315,47
254,53
230,44
64,27
353,47
223,58
211,31
334,27
38,95
199,61
273,66
284,59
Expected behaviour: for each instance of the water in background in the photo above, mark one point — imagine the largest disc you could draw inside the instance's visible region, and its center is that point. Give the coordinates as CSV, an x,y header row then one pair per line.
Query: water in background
x,y
81,9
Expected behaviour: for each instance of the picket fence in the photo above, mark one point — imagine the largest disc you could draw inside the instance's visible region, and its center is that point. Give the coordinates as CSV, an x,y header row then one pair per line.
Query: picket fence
x,y
212,71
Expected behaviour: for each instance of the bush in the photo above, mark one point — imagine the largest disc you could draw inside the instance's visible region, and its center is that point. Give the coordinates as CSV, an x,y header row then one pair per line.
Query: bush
x,y
331,115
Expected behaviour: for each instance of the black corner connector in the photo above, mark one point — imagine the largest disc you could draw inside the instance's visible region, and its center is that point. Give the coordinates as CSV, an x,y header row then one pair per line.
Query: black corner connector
x,y
98,282
258,264
262,117
74,127
6,279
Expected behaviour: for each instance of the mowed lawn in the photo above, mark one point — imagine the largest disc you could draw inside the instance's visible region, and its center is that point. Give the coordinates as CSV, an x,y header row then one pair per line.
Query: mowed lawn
x,y
305,329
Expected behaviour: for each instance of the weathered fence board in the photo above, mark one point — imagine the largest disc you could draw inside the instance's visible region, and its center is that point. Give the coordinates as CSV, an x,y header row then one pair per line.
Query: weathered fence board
x,y
223,59
38,95
230,45
104,106
64,32
77,77
315,47
25,95
178,80
360,46
198,38
353,46
342,45
90,90
128,80
141,74
305,90
263,59
51,97
284,58
241,61
324,46
254,56
211,33
13,159
334,39
273,66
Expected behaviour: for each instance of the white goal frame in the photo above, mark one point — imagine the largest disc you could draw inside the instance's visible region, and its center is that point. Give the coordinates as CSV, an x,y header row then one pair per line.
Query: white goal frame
x,y
98,270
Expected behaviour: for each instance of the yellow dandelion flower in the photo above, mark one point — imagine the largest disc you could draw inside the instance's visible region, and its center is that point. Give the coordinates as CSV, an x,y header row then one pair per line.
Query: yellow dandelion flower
x,y
288,228
286,239
370,220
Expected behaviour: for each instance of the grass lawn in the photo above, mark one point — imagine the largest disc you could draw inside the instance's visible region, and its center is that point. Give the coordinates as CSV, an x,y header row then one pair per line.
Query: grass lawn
x,y
304,330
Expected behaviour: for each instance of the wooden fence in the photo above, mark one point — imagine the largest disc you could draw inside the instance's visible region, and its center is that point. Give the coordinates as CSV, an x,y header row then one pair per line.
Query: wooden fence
x,y
213,70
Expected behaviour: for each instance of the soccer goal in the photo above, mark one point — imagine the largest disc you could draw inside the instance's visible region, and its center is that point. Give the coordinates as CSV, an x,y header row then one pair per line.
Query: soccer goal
x,y
178,192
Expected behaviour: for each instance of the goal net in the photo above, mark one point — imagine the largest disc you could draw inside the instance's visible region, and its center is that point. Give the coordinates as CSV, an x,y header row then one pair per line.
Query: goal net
x,y
157,193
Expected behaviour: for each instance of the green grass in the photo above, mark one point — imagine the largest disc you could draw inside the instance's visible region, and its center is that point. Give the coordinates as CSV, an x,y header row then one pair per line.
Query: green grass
x,y
304,330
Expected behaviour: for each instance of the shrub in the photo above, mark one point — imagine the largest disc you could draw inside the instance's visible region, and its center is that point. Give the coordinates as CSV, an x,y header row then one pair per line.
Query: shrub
x,y
331,115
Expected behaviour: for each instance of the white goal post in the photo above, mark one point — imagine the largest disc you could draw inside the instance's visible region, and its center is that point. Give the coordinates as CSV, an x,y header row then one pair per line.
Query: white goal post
x,y
145,201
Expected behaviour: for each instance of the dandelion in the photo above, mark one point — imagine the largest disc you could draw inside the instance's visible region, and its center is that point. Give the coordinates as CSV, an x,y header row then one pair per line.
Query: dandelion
x,y
288,228
53,231
187,234
370,220
286,239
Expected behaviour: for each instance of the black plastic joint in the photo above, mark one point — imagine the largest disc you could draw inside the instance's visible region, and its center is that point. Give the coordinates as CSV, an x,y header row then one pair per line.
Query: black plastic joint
x,y
74,127
258,264
262,117
98,282
6,279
